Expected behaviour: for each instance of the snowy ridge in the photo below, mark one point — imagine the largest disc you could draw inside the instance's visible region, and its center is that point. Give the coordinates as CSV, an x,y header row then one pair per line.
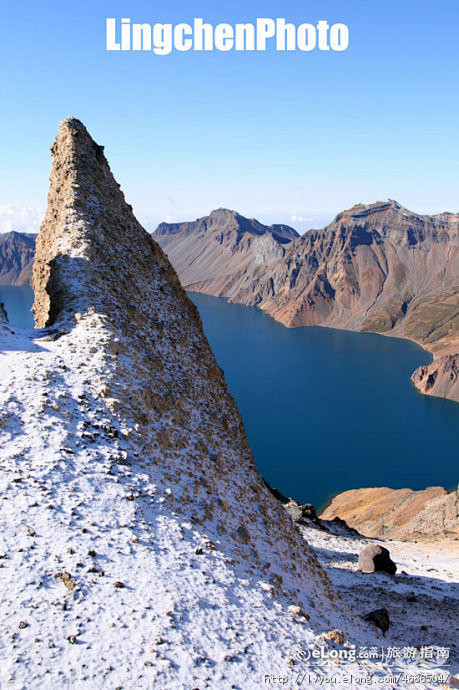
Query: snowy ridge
x,y
139,545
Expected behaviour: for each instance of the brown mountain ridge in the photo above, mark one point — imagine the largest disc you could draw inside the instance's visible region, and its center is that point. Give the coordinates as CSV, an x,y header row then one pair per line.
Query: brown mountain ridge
x,y
376,267
16,258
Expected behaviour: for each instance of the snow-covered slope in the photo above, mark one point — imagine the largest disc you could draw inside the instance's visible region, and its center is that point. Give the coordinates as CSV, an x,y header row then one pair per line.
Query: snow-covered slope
x,y
138,544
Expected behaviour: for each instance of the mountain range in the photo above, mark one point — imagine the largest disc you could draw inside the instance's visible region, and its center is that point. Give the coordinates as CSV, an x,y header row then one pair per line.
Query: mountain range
x,y
376,267
212,254
16,258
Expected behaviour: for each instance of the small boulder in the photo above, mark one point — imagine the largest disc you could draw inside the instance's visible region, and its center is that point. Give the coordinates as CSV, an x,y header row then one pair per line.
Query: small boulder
x,y
68,581
309,511
380,617
376,558
243,534
294,510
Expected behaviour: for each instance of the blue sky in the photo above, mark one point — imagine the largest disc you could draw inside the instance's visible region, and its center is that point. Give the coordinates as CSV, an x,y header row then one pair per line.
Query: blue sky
x,y
273,135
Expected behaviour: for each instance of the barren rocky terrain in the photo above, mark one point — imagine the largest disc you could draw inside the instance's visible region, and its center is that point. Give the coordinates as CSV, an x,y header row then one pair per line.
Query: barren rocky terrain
x,y
376,267
212,254
400,514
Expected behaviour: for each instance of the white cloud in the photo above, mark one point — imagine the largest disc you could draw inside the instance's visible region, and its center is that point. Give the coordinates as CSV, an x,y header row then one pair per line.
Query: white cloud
x,y
300,219
20,218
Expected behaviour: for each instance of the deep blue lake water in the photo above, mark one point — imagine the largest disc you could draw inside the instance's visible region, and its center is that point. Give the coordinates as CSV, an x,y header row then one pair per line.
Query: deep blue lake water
x,y
324,410
328,410
18,302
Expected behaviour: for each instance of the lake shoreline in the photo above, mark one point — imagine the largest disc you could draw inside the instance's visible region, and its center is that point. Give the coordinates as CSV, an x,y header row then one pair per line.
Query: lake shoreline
x,y
307,450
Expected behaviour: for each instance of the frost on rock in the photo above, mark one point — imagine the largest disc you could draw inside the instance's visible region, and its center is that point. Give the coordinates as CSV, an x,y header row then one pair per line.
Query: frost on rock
x,y
138,544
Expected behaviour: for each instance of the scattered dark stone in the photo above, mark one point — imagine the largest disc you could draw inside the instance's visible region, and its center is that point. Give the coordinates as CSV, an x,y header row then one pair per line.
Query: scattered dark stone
x,y
52,645
374,558
91,553
72,639
411,597
23,625
119,585
380,617
309,511
424,627
243,534
198,551
70,550
148,663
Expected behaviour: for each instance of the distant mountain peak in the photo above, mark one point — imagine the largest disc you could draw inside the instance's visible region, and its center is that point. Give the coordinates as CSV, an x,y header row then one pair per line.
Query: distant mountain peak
x,y
16,258
227,219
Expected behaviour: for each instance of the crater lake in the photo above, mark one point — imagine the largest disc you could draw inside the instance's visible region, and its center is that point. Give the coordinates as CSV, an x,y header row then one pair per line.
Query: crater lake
x,y
324,410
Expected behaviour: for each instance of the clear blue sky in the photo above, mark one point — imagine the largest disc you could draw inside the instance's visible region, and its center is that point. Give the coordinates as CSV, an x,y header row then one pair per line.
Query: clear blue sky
x,y
270,134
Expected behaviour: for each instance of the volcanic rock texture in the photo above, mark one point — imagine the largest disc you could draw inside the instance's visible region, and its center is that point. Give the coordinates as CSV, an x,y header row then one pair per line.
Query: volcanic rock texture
x,y
375,268
214,253
398,513
139,545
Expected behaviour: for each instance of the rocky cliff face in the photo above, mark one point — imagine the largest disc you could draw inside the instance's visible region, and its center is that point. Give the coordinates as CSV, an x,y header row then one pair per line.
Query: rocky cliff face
x,y
398,513
440,378
374,268
16,258
143,546
214,253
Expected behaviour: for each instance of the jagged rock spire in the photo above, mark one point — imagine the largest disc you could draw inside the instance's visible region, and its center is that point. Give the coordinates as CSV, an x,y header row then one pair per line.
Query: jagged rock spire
x,y
88,223
99,276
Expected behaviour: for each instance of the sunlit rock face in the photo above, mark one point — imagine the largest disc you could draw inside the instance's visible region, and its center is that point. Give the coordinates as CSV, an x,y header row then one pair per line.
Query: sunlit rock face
x,y
440,378
376,267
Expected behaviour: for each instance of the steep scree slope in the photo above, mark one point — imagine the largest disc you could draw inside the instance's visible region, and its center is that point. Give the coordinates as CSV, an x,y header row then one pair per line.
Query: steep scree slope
x,y
213,253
